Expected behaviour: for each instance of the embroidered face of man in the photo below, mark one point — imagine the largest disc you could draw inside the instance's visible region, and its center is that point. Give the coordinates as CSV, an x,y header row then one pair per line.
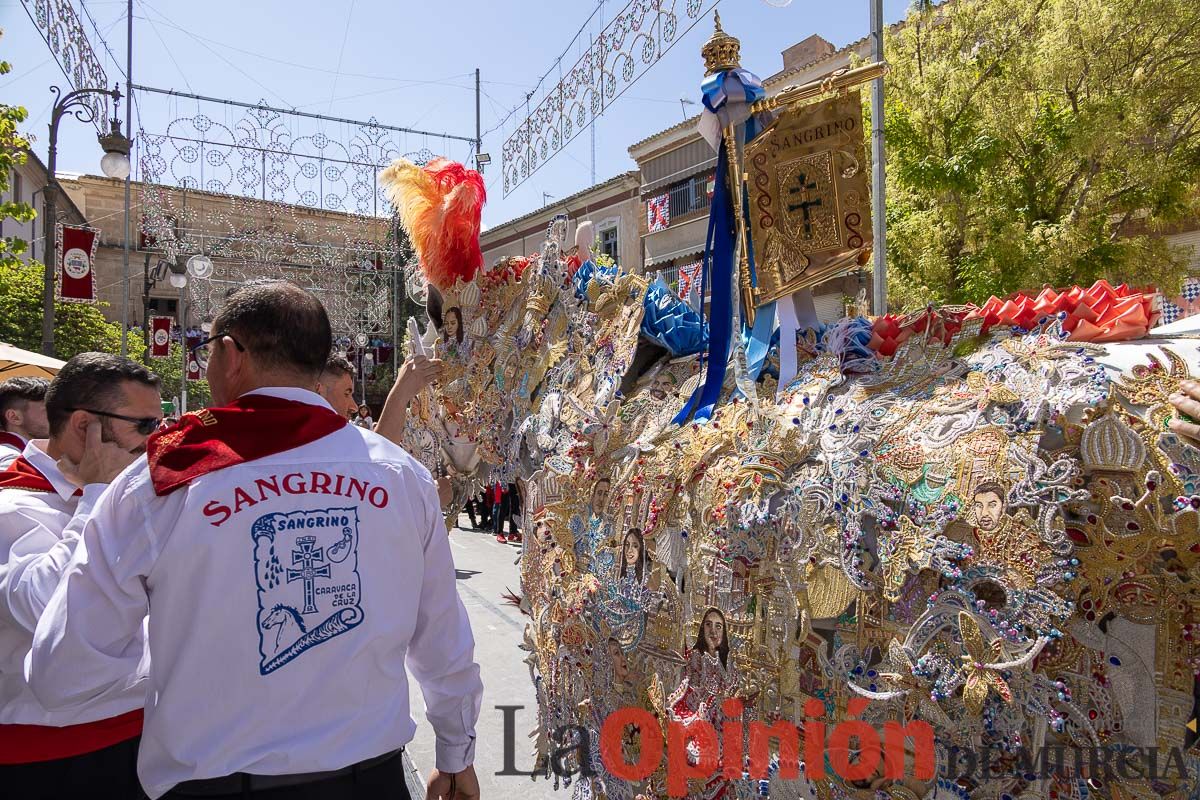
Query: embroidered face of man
x,y
662,386
988,506
600,495
713,631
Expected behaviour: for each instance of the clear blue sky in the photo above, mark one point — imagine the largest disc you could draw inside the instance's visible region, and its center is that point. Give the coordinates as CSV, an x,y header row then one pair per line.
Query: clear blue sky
x,y
408,64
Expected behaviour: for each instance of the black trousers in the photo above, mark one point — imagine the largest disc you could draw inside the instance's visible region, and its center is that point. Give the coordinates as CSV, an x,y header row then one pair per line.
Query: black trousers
x,y
380,782
107,773
501,513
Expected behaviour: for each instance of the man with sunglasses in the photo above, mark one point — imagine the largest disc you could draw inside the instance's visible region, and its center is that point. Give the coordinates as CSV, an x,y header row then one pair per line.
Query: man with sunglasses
x,y
100,408
293,566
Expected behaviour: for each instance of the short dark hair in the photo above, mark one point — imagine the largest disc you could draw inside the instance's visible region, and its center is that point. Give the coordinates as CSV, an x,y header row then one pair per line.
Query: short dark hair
x,y
991,487
282,325
93,380
338,364
16,392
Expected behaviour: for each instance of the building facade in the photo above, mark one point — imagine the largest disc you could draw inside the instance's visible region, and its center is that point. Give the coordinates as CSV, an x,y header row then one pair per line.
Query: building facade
x,y
245,238
614,207
27,184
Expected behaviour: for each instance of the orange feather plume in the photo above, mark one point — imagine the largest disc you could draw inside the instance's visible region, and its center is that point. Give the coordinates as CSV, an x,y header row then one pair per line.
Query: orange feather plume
x,y
440,206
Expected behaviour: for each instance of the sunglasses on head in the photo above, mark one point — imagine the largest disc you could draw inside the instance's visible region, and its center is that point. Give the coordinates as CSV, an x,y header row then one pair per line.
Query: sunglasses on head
x,y
144,425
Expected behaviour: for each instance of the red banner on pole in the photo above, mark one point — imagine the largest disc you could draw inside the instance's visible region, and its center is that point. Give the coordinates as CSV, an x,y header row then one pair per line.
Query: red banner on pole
x,y
194,373
75,261
160,337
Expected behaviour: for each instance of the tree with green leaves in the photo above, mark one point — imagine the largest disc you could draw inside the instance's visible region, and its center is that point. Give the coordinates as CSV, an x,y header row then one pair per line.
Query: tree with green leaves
x,y
13,147
77,326
1048,142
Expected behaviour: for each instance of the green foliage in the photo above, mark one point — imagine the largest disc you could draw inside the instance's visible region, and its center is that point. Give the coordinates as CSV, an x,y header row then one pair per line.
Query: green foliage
x,y
12,154
1039,143
77,326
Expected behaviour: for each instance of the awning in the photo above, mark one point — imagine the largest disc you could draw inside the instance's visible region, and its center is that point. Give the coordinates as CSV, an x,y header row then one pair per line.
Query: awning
x,y
676,241
693,252
16,362
667,181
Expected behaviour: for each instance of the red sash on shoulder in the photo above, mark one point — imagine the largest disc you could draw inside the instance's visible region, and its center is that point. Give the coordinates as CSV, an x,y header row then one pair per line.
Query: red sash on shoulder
x,y
12,440
23,475
253,426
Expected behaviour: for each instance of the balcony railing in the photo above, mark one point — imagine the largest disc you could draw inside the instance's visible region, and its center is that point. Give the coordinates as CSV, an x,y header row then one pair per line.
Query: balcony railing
x,y
689,200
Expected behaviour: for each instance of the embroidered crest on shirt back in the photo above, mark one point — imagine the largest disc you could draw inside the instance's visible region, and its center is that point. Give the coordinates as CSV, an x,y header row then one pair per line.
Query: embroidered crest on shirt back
x,y
306,566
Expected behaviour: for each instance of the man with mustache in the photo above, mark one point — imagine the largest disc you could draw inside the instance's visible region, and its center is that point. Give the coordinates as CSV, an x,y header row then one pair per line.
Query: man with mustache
x,y
100,409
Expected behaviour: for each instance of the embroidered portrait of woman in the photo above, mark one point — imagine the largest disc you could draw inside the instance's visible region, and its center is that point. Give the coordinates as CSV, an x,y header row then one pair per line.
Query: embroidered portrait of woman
x,y
633,557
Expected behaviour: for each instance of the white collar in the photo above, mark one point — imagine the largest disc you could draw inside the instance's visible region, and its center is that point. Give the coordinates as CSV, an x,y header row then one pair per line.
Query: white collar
x,y
294,393
36,455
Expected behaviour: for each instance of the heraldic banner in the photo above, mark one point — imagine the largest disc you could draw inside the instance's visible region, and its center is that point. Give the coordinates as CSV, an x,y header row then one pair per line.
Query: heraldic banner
x,y
160,337
75,258
194,369
810,206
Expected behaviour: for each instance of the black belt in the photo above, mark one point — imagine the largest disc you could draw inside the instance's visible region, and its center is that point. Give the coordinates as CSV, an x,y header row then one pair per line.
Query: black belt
x,y
244,782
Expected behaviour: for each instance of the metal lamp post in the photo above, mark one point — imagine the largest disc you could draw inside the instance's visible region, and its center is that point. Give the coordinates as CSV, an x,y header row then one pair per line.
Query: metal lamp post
x,y
115,164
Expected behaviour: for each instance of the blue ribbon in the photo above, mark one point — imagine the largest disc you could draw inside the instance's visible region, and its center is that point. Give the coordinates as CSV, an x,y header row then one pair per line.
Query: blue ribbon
x,y
718,266
717,88
671,323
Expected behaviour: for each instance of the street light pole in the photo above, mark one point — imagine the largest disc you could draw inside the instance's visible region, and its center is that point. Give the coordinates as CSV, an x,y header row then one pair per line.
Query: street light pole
x,y
115,145
878,170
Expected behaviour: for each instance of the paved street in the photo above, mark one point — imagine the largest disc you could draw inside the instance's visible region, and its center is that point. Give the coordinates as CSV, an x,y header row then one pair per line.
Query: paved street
x,y
486,571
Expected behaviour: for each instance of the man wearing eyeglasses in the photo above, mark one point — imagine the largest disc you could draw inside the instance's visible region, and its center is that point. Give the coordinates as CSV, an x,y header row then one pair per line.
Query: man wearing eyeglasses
x,y
99,409
293,565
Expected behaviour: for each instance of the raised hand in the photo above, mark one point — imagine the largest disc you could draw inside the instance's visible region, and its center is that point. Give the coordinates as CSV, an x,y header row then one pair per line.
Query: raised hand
x,y
101,462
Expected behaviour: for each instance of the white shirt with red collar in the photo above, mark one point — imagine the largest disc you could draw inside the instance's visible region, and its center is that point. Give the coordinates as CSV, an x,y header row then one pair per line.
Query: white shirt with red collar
x,y
37,539
287,594
11,446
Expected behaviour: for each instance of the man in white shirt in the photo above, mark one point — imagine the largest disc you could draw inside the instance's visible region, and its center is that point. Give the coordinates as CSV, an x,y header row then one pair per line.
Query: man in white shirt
x,y
22,415
336,385
293,565
100,409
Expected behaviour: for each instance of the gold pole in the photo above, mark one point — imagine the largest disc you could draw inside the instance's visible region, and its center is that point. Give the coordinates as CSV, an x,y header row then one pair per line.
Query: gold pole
x,y
842,79
736,179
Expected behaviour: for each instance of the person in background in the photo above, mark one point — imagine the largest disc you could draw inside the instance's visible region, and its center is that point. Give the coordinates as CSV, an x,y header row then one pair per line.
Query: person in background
x,y
503,512
336,385
364,420
22,415
101,408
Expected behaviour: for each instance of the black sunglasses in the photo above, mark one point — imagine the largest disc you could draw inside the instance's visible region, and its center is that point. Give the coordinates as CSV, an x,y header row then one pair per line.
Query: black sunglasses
x,y
213,338
144,425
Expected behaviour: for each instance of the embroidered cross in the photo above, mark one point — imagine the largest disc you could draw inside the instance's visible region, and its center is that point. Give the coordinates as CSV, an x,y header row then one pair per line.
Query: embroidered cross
x,y
802,188
306,557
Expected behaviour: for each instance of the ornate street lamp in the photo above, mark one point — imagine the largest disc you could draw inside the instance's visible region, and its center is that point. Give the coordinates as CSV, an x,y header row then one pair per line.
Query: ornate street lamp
x,y
114,164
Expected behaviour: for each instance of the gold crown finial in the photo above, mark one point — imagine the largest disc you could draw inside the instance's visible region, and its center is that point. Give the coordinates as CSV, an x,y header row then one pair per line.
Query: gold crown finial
x,y
721,51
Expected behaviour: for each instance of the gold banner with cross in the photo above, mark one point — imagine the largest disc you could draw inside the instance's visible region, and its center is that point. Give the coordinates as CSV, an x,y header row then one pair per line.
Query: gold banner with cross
x,y
810,206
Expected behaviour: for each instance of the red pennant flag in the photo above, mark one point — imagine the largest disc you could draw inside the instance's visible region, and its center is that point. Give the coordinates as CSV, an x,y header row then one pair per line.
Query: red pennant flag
x,y
194,372
160,337
75,260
